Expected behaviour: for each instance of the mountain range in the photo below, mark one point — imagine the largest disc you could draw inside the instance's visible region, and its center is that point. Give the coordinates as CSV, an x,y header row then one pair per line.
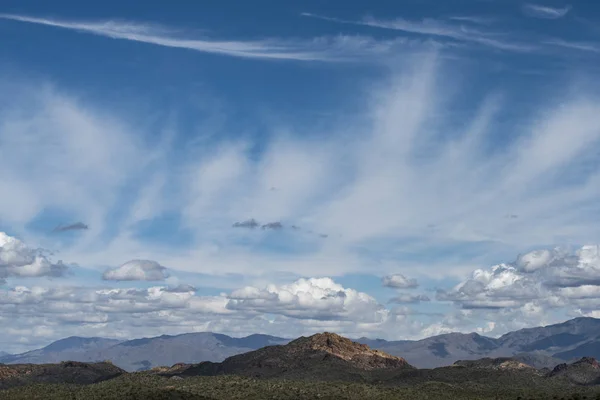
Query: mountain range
x,y
540,347
330,357
145,353
324,365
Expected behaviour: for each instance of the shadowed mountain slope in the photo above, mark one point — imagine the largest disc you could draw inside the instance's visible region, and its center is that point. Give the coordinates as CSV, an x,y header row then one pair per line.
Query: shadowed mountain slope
x,y
324,356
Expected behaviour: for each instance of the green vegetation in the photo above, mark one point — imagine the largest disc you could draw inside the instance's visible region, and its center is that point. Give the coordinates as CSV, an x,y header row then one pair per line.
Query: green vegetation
x,y
146,386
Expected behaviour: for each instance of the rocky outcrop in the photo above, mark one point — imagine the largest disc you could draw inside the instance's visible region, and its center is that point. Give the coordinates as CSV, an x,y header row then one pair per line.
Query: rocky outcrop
x,y
585,371
360,355
324,356
501,363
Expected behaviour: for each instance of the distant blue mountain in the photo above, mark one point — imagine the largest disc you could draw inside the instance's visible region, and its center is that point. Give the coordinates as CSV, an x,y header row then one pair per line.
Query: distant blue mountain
x,y
540,347
80,343
72,348
146,353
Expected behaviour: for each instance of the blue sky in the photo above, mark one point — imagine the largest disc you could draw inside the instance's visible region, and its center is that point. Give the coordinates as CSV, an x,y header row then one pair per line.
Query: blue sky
x,y
411,140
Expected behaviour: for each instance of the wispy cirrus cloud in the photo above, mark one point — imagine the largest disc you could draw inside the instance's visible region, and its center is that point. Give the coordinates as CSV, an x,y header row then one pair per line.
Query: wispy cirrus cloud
x,y
437,28
579,46
474,19
351,185
400,186
335,48
545,12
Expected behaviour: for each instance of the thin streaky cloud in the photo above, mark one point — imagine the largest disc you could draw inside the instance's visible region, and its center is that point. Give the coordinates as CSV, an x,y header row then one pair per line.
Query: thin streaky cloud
x,y
433,27
472,19
545,12
581,46
334,49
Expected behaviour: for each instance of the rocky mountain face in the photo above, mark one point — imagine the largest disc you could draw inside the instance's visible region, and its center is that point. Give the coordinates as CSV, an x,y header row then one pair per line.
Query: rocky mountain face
x,y
65,372
143,354
324,356
585,371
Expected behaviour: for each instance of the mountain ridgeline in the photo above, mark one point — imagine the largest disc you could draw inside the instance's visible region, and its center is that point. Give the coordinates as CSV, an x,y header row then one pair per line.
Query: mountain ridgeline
x,y
145,353
303,368
541,347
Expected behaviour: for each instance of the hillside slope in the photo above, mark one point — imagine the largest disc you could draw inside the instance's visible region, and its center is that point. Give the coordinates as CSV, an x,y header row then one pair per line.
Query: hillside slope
x,y
324,356
65,372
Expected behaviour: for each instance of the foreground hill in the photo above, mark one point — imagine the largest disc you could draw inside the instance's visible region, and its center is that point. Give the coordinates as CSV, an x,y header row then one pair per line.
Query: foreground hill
x,y
324,366
585,371
322,356
65,372
475,381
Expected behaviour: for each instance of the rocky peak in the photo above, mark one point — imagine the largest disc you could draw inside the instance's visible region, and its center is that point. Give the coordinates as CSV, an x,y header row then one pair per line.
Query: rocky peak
x,y
588,360
346,349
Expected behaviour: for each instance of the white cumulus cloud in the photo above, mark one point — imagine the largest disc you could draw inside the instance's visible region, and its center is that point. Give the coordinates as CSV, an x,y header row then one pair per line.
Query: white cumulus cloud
x,y
19,260
399,281
542,278
137,270
314,298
